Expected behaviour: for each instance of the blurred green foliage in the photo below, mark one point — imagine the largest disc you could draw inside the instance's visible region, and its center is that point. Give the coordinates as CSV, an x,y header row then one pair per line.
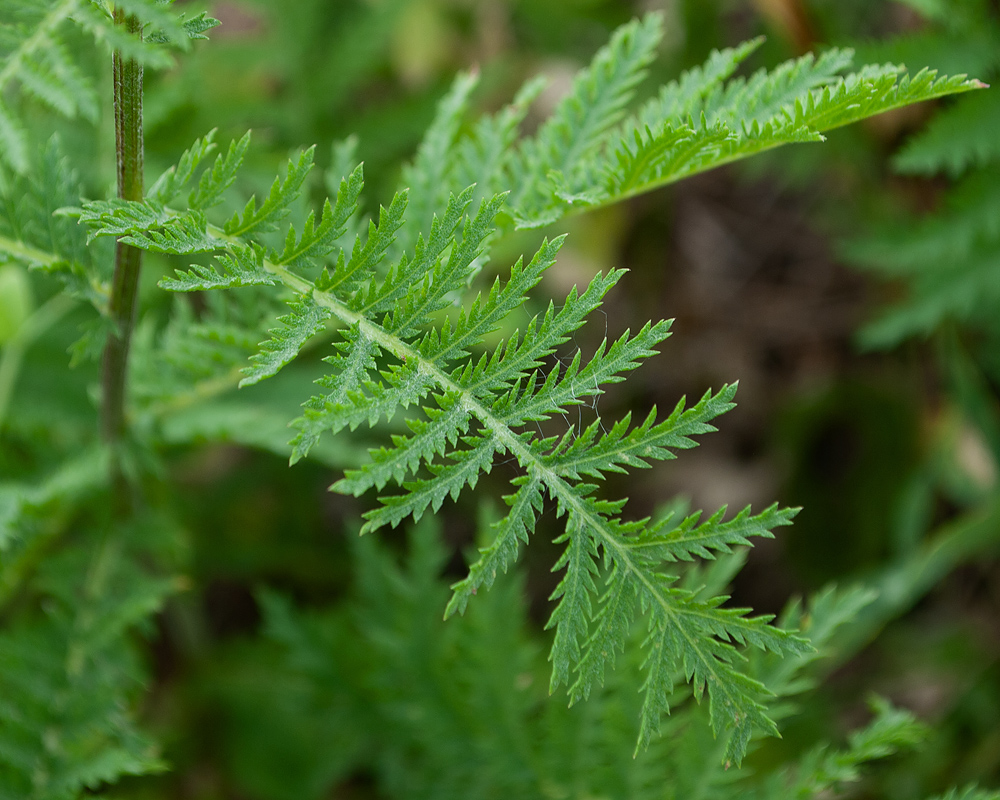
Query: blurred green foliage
x,y
300,662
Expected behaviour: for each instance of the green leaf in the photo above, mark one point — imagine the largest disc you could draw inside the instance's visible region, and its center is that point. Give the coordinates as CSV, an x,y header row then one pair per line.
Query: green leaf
x,y
242,266
213,183
276,206
568,140
294,330
122,217
170,184
425,179
498,556
347,273
955,140
412,350
317,241
13,140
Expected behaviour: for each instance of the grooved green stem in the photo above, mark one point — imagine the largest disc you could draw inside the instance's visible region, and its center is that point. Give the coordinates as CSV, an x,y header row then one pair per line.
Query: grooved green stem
x,y
128,259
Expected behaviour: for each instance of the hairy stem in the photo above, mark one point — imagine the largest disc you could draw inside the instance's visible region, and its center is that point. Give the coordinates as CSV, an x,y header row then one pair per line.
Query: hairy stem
x,y
128,259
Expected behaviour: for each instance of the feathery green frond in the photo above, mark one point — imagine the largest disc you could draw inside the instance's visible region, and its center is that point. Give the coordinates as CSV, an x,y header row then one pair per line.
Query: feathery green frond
x,y
487,154
955,140
117,217
170,184
686,96
566,143
653,157
480,409
422,325
317,241
295,329
71,673
498,556
35,58
891,730
242,266
176,235
464,703
37,61
408,348
762,96
275,205
23,504
690,537
213,183
623,447
947,261
365,258
426,178
823,770
701,122
34,232
827,614
193,352
969,793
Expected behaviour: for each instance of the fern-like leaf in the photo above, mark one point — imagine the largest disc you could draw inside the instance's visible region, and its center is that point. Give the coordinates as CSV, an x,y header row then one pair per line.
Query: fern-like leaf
x,y
36,59
566,143
295,329
955,140
405,349
242,266
35,232
71,673
425,178
275,205
824,769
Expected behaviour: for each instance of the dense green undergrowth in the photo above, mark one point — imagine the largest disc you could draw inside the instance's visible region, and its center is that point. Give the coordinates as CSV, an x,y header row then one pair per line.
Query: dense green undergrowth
x,y
416,331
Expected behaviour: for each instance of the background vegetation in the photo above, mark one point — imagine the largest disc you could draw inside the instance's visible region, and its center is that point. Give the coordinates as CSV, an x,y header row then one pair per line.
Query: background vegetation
x,y
853,290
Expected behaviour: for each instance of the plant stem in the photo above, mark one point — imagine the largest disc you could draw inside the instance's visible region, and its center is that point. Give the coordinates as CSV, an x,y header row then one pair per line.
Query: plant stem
x,y
128,259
